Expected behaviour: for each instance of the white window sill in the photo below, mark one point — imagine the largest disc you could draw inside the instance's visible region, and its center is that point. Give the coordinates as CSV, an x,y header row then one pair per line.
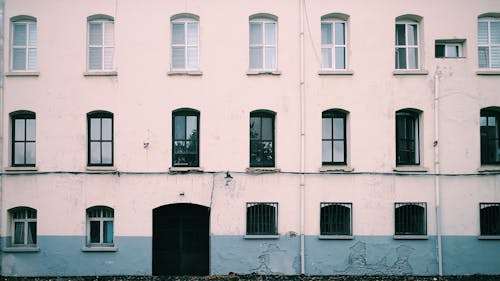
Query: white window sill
x,y
489,169
333,168
410,237
101,168
488,237
254,72
256,237
410,72
100,249
185,73
335,72
20,169
21,250
335,237
488,72
22,73
262,170
185,169
100,73
410,169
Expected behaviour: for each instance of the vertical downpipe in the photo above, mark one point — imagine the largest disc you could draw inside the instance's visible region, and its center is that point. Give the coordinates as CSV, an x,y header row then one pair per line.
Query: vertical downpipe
x,y
437,171
302,138
2,17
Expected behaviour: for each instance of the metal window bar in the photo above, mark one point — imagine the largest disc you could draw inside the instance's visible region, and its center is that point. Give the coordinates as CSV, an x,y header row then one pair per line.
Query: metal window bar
x,y
410,218
489,218
335,218
262,218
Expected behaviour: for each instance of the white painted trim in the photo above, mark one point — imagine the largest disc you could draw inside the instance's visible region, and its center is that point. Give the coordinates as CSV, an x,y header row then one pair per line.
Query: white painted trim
x,y
410,72
179,72
335,72
22,73
100,73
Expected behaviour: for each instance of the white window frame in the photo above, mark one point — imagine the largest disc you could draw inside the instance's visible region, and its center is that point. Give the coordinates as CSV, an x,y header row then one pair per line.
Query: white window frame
x,y
333,45
25,220
26,47
101,219
103,46
263,45
407,46
488,45
185,21
459,47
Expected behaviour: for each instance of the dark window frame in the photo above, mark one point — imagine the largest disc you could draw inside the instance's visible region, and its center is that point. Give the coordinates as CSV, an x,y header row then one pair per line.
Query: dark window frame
x,y
253,142
21,116
484,147
406,218
335,114
412,151
100,115
185,113
256,216
332,223
489,219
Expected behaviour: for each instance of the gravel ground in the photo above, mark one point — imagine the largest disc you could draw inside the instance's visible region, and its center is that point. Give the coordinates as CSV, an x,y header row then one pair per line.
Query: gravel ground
x,y
234,277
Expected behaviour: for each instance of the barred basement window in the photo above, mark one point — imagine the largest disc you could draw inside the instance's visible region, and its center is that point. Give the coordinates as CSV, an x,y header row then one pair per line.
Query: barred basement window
x,y
262,218
100,226
410,218
335,219
23,226
490,218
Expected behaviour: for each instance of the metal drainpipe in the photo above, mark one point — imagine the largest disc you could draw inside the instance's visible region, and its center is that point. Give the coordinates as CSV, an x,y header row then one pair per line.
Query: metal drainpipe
x,y
302,138
437,171
2,17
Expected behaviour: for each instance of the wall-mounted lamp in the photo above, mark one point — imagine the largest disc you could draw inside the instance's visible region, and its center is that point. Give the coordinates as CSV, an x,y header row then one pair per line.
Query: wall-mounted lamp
x,y
228,178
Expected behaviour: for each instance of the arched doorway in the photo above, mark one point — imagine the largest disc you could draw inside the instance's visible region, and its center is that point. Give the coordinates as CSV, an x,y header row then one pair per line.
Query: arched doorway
x,y
180,240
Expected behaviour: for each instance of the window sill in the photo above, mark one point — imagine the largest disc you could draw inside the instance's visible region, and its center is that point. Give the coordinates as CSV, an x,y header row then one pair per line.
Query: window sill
x,y
100,73
488,237
488,72
262,170
175,170
101,168
22,73
410,169
100,249
185,73
21,250
410,72
410,237
332,168
21,169
489,169
335,237
256,237
263,72
335,72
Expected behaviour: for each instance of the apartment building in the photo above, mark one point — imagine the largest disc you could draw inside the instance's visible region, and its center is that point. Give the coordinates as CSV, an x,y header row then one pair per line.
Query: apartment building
x,y
278,137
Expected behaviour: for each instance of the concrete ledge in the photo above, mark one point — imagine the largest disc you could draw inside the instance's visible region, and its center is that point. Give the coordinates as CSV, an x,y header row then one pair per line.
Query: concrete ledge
x,y
263,72
20,169
335,237
410,169
21,249
179,170
489,169
185,73
262,170
100,73
22,74
332,168
488,237
488,72
410,72
101,168
410,237
335,72
100,249
271,236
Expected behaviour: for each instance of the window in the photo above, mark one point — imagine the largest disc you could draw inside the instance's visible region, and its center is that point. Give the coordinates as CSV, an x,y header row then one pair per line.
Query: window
x,y
262,218
23,139
490,219
263,43
488,42
407,138
23,44
101,41
407,43
333,137
333,42
185,138
490,140
185,42
411,219
100,138
261,139
449,48
100,226
23,226
335,219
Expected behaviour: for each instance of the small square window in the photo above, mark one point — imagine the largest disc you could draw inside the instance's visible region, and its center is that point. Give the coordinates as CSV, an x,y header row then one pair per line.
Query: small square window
x,y
449,49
